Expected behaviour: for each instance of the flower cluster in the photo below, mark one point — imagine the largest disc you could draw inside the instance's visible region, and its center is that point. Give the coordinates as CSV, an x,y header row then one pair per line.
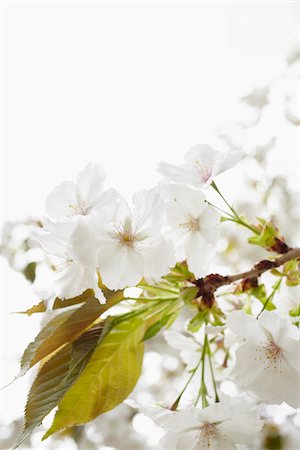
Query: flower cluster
x,y
240,343
90,232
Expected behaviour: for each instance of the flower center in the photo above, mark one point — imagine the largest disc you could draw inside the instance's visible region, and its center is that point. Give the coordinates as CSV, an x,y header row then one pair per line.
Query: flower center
x,y
203,171
210,435
79,208
273,352
124,235
191,224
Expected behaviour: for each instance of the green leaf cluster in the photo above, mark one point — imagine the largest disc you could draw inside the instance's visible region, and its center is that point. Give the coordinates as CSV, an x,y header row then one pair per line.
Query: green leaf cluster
x,y
266,234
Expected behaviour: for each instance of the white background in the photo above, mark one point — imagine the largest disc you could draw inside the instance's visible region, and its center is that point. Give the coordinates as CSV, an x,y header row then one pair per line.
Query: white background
x,y
127,84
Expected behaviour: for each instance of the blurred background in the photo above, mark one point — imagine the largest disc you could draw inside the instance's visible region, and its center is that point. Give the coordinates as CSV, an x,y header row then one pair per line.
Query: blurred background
x,y
129,84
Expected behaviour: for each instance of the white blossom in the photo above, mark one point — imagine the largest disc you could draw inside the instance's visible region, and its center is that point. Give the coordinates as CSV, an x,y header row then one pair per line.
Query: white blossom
x,y
193,227
189,348
268,362
71,200
202,164
288,300
220,426
72,277
127,245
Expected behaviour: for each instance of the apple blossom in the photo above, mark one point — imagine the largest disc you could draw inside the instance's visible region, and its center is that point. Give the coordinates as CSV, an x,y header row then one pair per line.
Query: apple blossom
x,y
202,164
193,227
126,245
71,200
268,362
72,277
222,425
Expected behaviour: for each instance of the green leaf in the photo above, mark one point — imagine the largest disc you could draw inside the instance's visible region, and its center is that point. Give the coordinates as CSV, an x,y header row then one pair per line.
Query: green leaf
x,y
267,235
198,320
55,377
157,326
179,273
112,297
188,294
260,293
295,312
107,379
161,290
64,328
29,271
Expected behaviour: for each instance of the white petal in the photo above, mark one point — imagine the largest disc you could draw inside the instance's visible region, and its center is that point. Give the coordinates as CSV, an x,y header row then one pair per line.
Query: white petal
x,y
215,441
246,326
276,327
180,174
86,244
209,224
198,253
90,183
179,441
226,161
192,199
120,266
203,154
60,201
180,342
158,257
71,282
291,351
180,420
148,211
106,203
92,281
241,428
248,366
51,243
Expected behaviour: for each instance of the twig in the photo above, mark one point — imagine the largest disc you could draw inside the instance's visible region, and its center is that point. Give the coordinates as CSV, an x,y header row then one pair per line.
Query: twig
x,y
209,284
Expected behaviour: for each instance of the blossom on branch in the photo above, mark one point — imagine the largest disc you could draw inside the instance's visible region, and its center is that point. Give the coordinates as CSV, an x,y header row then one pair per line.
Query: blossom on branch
x,y
220,426
268,362
202,164
72,277
193,227
71,200
126,245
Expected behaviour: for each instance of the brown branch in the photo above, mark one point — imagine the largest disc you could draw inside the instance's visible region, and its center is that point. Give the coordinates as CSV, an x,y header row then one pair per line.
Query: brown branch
x,y
209,284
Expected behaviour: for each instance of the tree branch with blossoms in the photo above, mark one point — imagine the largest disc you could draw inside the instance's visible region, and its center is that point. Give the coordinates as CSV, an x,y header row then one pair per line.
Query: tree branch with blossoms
x,y
90,352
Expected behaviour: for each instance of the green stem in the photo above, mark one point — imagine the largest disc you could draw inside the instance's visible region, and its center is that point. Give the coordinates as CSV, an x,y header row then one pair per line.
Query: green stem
x,y
221,210
235,217
176,403
214,186
203,390
212,373
275,289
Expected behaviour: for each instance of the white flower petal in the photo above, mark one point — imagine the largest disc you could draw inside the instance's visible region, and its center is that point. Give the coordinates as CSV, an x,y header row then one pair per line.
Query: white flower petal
x,y
198,253
227,161
277,327
158,257
178,341
120,266
191,199
179,174
90,183
148,211
86,244
180,420
72,281
291,349
241,428
246,327
59,203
